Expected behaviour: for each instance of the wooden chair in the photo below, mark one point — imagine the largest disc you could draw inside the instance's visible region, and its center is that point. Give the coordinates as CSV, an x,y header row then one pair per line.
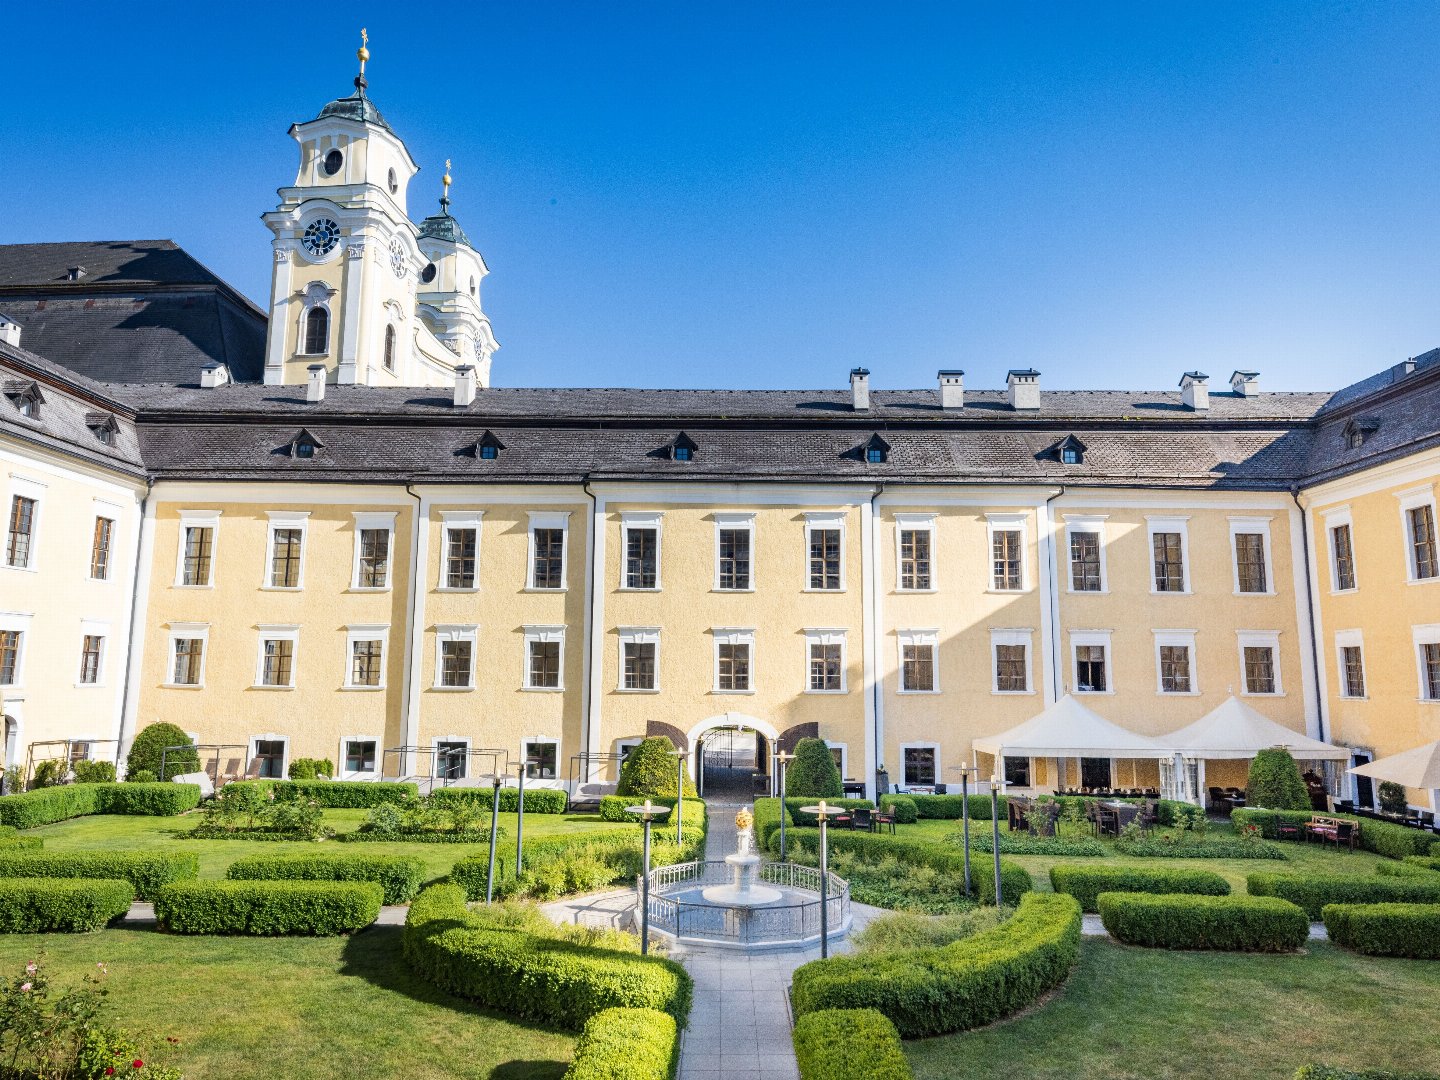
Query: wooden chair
x,y
884,817
861,818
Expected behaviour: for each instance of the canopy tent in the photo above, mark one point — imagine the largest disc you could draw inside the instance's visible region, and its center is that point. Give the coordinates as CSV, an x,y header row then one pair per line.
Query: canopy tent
x,y
1417,768
1234,730
1069,729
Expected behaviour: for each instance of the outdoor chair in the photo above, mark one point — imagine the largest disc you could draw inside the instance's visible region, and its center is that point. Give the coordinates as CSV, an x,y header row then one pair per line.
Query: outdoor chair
x,y
860,818
1092,815
1041,817
1347,833
884,817
1149,814
1290,830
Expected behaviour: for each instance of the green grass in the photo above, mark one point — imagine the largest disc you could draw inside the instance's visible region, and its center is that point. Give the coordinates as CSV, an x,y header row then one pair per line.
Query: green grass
x,y
1150,1014
302,1008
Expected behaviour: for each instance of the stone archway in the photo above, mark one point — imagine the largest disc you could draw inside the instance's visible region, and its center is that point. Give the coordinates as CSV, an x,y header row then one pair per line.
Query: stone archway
x,y
728,750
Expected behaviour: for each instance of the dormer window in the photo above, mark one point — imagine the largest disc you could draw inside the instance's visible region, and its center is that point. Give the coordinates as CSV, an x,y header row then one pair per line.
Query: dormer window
x,y
1070,451
27,398
683,448
1358,432
75,273
305,446
488,447
877,450
103,427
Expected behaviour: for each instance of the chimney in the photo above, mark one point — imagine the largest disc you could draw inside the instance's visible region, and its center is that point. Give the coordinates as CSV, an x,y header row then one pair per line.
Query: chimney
x,y
214,374
1195,390
315,384
952,389
464,385
1401,370
9,331
1024,388
1245,383
860,389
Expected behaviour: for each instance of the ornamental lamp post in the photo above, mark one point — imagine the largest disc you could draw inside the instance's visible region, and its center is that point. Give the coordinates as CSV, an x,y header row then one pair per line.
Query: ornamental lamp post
x,y
824,813
521,767
496,780
646,814
965,771
995,834
782,759
679,756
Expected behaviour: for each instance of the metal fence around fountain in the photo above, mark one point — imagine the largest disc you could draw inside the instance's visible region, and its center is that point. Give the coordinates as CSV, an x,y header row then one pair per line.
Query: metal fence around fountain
x,y
792,921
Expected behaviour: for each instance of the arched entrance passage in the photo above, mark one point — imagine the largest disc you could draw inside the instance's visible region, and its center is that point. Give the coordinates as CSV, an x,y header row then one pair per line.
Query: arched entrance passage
x,y
730,751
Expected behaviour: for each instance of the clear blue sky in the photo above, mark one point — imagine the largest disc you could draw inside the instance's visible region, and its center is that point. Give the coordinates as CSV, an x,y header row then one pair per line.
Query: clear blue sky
x,y
675,194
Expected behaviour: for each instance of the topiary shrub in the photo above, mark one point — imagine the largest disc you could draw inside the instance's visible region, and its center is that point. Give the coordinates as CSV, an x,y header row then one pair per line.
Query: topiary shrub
x,y
537,800
147,871
149,747
141,776
904,806
344,794
309,768
49,773
1275,782
1235,923
1313,891
849,1044
813,773
1411,930
399,875
1392,797
45,905
649,770
1086,883
626,1044
318,908
94,772
146,800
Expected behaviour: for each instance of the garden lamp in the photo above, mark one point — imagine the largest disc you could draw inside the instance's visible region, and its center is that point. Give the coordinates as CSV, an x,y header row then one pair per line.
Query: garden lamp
x,y
520,769
995,834
965,771
679,756
824,813
495,781
782,759
646,814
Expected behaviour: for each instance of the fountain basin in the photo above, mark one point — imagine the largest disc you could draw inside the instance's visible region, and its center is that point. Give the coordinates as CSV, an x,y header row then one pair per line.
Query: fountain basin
x,y
742,891
696,903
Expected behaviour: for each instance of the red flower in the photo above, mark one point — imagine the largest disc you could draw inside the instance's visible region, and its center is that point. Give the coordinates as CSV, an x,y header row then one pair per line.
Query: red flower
x,y
110,1071
137,1064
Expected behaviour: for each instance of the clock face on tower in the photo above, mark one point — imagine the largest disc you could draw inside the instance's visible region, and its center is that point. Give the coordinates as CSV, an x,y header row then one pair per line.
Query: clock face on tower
x,y
321,236
397,257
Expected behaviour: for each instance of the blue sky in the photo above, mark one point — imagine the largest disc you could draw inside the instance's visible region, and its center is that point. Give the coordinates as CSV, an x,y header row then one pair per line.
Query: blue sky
x,y
768,194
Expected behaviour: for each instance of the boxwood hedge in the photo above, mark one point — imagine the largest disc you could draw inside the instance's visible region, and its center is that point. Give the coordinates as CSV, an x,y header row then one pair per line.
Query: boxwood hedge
x,y
1085,883
11,839
519,973
45,806
1381,837
1411,930
626,1044
849,1044
147,871
966,984
1183,921
537,800
1412,867
320,908
1327,1072
906,809
399,875
345,794
1313,891
613,808
73,906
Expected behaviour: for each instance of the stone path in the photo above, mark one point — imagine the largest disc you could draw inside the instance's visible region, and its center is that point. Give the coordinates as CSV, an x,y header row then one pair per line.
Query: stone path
x,y
142,913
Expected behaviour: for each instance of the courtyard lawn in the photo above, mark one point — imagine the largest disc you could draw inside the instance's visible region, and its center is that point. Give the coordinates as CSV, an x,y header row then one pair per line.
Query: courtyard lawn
x,y
301,1008
1149,1014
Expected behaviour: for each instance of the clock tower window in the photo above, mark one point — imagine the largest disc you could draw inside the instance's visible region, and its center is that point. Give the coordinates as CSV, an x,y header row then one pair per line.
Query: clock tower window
x,y
390,348
317,331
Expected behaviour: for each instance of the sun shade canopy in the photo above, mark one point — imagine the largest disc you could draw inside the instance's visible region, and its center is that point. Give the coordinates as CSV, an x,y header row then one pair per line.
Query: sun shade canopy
x,y
1069,729
1234,730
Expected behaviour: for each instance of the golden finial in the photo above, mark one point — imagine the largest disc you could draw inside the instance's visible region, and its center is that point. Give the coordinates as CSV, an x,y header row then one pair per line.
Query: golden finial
x,y
363,52
445,192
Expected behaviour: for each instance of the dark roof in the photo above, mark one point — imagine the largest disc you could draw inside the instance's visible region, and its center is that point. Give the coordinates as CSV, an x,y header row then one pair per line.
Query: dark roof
x,y
133,262
355,107
444,227
1399,411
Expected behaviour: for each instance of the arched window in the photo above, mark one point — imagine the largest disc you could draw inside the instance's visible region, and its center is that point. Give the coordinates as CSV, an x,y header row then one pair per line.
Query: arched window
x,y
389,348
472,286
317,331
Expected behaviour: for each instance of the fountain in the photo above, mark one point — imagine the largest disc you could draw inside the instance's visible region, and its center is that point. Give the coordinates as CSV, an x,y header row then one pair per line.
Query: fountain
x,y
742,892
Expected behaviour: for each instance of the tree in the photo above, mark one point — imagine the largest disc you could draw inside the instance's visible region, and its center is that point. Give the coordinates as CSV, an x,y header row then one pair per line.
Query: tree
x,y
649,771
813,772
1275,782
1392,797
149,746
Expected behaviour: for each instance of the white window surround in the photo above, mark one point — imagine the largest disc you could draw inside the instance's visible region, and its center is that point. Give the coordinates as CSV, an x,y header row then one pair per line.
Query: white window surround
x,y
1086,523
1185,638
915,523
458,520
186,631
18,621
648,519
283,519
921,745
1259,525
101,629
826,519
114,513
540,740
922,638
284,759
459,740
26,488
624,746
547,519
366,520
360,774
1092,637
276,632
1411,499
1155,523
198,519
1260,639
1350,639
844,756
995,523
734,522
1020,636
542,633
1426,634
731,635
637,635
455,632
365,632
1334,518
820,635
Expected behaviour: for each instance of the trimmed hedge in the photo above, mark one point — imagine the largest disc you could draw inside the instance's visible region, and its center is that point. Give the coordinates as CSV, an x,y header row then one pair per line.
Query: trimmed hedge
x,y
619,845
45,905
45,806
1381,837
11,839
795,804
1411,930
319,908
1086,883
146,871
626,1044
398,875
612,808
1236,923
1326,1072
813,773
1152,847
649,771
1022,843
1313,891
849,1044
346,794
537,800
1422,862
1412,867
545,979
967,984
907,811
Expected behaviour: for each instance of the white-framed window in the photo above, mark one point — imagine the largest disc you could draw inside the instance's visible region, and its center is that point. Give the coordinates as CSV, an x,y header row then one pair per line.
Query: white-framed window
x,y
366,645
285,549
735,552
188,642
824,661
544,658
1250,556
22,523
94,637
1175,662
460,550
915,552
1085,546
825,552
276,657
269,756
639,659
455,656
374,551
195,555
1422,551
1169,554
1340,537
542,758
14,632
1260,662
360,757
919,764
840,754
734,660
451,759
1090,654
1427,660
102,541
640,535
1350,663
624,746
1006,534
1010,661
919,661
548,539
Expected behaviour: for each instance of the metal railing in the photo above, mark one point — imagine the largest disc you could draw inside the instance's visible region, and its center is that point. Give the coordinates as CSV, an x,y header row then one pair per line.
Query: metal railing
x,y
792,920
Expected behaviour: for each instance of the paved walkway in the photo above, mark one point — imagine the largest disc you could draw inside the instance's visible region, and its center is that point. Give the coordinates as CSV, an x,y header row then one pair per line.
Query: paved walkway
x,y
142,913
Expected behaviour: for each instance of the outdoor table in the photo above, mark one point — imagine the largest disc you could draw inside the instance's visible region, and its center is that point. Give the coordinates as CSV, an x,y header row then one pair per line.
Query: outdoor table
x,y
1315,828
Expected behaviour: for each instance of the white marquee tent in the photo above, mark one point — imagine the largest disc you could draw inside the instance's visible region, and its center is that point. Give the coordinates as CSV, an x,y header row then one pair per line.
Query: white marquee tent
x,y
1069,729
1234,730
1417,768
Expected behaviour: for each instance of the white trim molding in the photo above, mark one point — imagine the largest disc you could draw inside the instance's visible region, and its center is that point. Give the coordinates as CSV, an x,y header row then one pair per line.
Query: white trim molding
x,y
815,521
371,520
547,519
819,635
1185,639
641,521
920,639
1009,522
197,519
733,635
1426,634
458,521
1350,639
1093,524
1025,638
284,519
1092,637
735,522
365,632
452,632
1259,639
535,635
1416,498
1334,518
276,632
1169,523
1252,526
916,523
636,635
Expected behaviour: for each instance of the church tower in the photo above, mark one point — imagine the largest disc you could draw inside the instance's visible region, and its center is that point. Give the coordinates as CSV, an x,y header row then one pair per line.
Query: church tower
x,y
357,287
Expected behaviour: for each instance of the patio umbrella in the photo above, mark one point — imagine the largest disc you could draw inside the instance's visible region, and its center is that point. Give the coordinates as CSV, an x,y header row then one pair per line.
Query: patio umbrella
x,y
1417,768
